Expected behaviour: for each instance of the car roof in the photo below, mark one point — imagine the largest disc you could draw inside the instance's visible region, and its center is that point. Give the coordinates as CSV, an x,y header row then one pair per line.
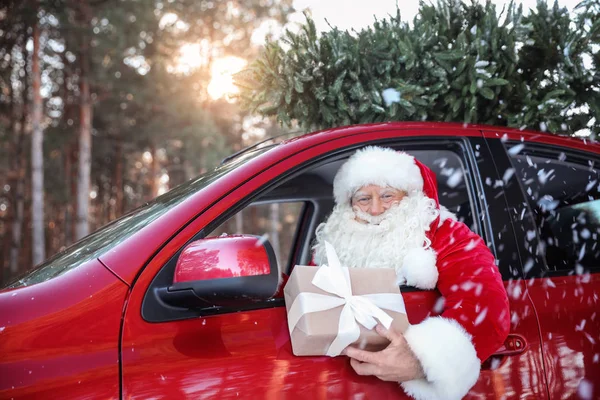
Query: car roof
x,y
490,131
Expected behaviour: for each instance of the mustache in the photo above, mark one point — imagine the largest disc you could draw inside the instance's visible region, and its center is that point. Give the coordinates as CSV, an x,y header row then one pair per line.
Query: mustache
x,y
365,217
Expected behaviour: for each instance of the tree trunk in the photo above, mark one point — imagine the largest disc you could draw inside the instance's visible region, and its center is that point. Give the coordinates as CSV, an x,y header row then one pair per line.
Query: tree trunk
x,y
16,250
117,209
69,157
154,171
37,156
239,223
19,189
18,131
68,161
85,137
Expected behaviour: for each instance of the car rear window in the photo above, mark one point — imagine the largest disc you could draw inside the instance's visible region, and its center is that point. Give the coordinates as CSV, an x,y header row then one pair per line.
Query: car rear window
x,y
563,192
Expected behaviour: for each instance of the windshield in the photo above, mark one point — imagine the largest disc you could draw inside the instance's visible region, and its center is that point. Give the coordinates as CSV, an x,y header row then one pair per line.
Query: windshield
x,y
109,236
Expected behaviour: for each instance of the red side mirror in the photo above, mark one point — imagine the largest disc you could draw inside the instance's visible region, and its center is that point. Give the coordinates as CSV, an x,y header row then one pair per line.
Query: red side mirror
x,y
224,271
223,257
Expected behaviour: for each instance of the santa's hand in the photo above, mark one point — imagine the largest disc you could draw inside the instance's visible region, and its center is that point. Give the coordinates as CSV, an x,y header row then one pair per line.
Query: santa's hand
x,y
396,363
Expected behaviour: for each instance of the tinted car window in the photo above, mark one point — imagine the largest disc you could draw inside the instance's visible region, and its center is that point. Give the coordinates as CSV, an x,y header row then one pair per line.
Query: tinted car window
x,y
563,194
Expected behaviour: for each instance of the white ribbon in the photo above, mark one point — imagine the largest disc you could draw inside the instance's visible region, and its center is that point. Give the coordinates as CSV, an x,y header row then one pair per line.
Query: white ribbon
x,y
364,309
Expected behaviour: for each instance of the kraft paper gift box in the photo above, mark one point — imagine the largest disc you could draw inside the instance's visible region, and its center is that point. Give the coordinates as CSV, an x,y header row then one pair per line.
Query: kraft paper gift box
x,y
314,314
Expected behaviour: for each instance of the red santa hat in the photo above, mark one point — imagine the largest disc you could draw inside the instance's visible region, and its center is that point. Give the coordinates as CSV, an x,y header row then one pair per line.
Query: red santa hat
x,y
383,167
387,167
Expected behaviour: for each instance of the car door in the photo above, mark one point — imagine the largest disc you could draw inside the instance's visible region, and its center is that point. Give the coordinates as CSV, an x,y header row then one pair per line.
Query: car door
x,y
247,353
556,203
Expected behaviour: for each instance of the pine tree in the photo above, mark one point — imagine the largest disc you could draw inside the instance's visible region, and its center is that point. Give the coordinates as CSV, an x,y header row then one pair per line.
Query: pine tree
x,y
456,62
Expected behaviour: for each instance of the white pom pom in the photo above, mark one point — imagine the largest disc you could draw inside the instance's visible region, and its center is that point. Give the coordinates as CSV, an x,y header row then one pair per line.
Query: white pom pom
x,y
419,269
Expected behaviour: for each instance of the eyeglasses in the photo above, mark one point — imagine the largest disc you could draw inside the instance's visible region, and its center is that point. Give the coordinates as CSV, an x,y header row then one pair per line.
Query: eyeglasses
x,y
386,198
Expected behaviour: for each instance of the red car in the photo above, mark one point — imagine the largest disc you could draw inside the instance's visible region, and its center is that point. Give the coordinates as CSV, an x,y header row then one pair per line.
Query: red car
x,y
143,308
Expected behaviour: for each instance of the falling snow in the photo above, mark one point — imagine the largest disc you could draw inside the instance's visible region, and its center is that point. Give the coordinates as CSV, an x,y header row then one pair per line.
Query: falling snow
x,y
516,149
508,174
439,305
591,339
585,389
514,319
480,317
543,176
495,363
471,245
516,292
261,240
590,185
528,265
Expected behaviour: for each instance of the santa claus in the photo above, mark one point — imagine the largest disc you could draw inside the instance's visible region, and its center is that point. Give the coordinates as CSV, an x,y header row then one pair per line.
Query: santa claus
x,y
387,215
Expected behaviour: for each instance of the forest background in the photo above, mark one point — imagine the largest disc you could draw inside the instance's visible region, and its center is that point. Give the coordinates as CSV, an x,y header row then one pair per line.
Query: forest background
x,y
106,104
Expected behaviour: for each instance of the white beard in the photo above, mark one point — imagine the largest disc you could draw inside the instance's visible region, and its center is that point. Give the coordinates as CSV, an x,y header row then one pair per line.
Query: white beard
x,y
381,243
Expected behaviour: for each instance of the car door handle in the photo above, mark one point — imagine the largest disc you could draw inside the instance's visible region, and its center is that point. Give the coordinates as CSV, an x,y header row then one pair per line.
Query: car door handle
x,y
514,344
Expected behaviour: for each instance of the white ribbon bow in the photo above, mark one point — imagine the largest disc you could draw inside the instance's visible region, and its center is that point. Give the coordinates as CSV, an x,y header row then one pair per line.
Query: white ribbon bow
x,y
364,309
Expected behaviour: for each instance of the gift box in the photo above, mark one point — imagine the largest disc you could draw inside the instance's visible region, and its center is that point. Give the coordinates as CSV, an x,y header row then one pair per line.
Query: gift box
x,y
330,307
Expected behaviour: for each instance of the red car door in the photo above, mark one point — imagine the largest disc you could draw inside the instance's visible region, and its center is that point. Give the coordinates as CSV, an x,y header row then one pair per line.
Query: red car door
x,y
248,354
556,201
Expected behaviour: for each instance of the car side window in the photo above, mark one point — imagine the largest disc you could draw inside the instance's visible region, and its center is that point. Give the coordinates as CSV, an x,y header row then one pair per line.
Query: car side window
x,y
276,222
563,193
452,183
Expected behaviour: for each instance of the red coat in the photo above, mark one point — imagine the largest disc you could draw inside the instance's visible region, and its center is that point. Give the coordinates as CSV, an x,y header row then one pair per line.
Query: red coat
x,y
472,287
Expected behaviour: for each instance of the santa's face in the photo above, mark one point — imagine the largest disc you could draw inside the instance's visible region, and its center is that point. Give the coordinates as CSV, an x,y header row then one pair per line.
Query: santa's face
x,y
364,240
371,202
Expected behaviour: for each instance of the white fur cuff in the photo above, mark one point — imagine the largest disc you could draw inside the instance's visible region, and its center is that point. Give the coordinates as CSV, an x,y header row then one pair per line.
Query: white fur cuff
x,y
419,269
447,356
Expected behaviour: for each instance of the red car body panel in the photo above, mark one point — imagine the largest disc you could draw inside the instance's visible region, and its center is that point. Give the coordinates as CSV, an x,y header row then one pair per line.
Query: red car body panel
x,y
571,336
60,338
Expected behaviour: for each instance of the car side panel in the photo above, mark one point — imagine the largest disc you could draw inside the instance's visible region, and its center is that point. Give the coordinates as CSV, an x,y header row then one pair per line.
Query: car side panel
x,y
569,312
60,339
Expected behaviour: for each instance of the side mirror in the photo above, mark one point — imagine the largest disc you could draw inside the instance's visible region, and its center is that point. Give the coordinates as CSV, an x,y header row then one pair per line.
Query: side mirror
x,y
223,272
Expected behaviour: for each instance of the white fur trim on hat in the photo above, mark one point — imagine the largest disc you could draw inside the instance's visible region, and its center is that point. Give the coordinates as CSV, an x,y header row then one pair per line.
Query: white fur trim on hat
x,y
376,166
447,356
419,268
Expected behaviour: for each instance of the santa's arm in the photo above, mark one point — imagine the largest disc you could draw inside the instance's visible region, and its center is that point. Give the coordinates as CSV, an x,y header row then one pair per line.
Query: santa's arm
x,y
473,324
